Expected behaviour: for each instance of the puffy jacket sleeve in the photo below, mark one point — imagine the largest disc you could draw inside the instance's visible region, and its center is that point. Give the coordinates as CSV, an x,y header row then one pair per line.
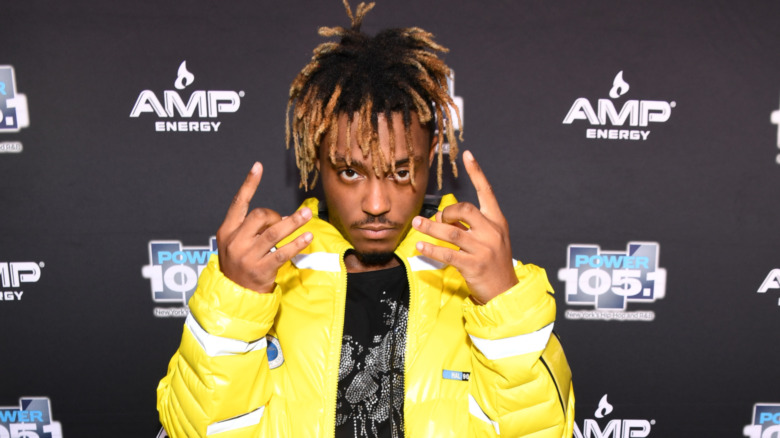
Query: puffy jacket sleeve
x,y
218,380
521,383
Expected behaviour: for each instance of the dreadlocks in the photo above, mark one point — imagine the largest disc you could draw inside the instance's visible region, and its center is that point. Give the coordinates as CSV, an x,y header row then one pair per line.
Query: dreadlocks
x,y
397,70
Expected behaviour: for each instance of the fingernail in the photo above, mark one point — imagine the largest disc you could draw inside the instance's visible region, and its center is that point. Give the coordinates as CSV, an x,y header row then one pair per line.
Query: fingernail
x,y
256,167
467,155
419,246
305,213
307,237
416,221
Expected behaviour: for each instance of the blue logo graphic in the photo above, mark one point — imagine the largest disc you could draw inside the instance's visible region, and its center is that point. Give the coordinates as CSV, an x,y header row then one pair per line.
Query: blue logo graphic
x,y
32,418
274,352
174,269
766,421
13,106
610,279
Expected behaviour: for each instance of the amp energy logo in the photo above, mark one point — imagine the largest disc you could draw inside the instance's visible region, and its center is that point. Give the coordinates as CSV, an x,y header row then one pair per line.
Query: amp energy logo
x,y
772,281
610,124
173,270
175,116
14,275
13,109
602,427
766,421
609,280
31,419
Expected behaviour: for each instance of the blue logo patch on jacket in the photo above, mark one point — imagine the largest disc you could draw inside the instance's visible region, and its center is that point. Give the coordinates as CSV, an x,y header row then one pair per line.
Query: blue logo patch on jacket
x,y
274,351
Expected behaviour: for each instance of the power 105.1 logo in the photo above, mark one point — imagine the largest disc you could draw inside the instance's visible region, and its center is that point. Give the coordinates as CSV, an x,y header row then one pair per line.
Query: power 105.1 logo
x,y
13,106
766,421
31,419
173,270
608,280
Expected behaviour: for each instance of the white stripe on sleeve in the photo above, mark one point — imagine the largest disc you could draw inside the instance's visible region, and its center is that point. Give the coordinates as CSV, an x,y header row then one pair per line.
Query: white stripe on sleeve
x,y
219,346
246,420
422,263
318,261
476,410
514,346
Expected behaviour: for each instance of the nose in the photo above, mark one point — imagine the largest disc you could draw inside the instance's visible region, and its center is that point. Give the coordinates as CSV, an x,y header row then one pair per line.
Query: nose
x,y
376,200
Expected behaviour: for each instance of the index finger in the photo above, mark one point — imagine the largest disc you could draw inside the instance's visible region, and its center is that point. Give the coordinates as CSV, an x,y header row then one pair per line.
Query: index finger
x,y
240,204
488,204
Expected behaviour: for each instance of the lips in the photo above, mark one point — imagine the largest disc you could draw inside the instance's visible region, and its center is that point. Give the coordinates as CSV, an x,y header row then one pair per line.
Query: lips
x,y
376,233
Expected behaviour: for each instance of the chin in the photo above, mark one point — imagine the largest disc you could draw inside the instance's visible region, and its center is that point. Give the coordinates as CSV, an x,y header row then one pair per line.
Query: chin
x,y
375,258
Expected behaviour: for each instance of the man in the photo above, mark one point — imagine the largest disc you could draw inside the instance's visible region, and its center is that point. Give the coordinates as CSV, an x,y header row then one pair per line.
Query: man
x,y
367,318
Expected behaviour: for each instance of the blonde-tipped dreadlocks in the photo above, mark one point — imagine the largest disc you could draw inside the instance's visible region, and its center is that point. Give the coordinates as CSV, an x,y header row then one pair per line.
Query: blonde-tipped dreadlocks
x,y
361,76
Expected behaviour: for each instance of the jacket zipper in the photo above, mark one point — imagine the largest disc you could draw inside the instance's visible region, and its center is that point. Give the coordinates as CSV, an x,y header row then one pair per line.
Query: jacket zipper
x,y
410,318
338,334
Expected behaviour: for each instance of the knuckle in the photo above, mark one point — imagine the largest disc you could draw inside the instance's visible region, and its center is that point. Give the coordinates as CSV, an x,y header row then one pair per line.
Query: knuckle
x,y
272,215
271,235
467,207
454,235
257,214
222,235
280,256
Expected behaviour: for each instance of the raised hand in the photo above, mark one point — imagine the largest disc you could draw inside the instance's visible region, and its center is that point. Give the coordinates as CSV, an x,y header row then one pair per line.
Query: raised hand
x,y
246,242
485,255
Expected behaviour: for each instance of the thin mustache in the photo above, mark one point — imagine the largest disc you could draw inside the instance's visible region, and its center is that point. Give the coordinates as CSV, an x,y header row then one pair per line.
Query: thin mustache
x,y
375,219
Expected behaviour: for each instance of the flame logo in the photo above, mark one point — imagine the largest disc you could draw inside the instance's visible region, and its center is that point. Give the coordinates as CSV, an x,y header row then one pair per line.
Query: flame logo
x,y
184,77
619,86
604,407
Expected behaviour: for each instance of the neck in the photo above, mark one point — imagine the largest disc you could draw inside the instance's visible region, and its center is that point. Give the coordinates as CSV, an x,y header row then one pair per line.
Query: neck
x,y
354,265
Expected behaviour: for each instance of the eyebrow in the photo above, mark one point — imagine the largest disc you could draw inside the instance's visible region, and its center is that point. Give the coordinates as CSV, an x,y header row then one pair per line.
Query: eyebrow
x,y
341,159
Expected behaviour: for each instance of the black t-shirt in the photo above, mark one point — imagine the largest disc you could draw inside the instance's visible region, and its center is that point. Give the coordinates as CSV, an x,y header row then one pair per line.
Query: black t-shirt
x,y
370,401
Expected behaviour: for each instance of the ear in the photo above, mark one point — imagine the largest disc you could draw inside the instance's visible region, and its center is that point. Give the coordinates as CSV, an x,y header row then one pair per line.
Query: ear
x,y
432,153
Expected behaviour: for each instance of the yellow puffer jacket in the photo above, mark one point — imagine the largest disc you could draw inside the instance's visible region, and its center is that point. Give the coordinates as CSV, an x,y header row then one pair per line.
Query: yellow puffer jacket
x,y
266,365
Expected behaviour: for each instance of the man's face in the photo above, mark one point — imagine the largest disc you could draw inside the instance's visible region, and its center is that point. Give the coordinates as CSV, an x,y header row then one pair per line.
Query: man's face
x,y
374,212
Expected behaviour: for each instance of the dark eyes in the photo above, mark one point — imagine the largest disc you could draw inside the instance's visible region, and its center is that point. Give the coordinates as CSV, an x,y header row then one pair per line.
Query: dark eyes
x,y
349,174
401,176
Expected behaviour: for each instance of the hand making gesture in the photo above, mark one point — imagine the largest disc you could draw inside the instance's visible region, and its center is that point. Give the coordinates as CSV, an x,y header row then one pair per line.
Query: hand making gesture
x,y
246,242
485,255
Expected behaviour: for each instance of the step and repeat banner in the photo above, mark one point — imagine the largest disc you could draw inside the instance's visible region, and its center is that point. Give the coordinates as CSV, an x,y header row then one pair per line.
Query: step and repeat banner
x,y
634,148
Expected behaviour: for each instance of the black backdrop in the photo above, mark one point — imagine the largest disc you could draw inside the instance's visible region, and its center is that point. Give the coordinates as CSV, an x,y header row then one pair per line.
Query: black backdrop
x,y
86,189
